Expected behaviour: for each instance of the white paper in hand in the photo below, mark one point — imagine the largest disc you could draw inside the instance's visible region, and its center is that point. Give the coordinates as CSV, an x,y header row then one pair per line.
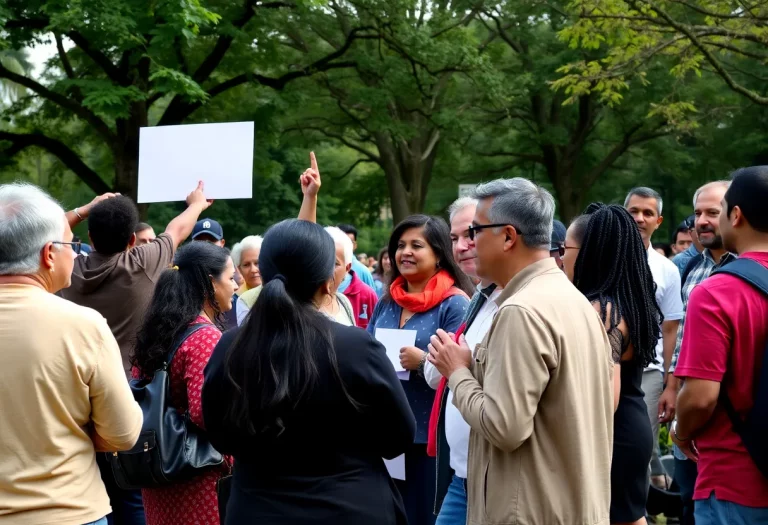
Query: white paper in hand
x,y
396,467
173,158
393,340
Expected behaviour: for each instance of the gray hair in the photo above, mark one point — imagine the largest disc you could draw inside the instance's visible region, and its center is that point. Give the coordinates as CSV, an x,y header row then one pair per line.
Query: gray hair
x,y
252,242
523,204
724,183
645,193
29,219
341,238
458,205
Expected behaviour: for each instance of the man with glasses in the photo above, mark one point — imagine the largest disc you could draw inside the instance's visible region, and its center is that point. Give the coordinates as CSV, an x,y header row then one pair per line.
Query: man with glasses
x,y
522,392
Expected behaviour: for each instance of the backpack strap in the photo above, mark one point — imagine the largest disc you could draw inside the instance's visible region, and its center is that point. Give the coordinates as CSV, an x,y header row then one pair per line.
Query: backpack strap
x,y
755,274
180,340
747,270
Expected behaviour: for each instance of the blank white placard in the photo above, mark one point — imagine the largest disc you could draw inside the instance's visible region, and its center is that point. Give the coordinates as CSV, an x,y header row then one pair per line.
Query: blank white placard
x,y
172,159
396,467
393,340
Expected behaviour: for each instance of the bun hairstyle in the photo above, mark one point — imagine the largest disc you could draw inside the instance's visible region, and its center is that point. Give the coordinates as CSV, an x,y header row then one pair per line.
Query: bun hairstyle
x,y
180,295
273,363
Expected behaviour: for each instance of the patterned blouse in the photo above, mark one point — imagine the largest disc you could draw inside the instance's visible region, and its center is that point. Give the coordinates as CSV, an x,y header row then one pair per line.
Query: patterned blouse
x,y
193,502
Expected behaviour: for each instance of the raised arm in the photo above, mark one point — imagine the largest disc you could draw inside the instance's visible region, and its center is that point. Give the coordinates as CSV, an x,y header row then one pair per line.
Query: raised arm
x,y
310,187
81,213
180,227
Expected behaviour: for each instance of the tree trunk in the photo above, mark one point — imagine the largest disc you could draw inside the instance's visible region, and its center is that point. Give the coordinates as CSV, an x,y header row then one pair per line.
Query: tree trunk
x,y
407,173
126,154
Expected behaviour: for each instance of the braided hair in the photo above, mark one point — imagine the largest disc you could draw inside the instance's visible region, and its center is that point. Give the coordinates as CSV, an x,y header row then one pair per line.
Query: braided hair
x,y
612,266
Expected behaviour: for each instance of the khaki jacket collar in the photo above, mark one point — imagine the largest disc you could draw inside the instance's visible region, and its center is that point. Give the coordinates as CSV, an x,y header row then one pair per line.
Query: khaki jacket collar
x,y
519,281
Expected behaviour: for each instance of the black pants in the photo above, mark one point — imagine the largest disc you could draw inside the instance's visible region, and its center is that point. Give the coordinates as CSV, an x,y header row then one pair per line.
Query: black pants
x,y
127,506
686,472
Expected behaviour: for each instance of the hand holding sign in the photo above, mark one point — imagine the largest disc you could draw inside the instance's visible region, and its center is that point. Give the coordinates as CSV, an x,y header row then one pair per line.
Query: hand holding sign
x,y
197,197
310,179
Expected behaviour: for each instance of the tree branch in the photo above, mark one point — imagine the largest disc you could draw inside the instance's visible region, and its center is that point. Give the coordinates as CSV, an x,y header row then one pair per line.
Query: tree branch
x,y
60,100
340,138
738,88
63,57
68,157
352,167
102,60
177,111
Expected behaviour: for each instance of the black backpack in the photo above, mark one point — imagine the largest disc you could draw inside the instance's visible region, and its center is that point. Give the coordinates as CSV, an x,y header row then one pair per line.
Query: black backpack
x,y
170,447
754,429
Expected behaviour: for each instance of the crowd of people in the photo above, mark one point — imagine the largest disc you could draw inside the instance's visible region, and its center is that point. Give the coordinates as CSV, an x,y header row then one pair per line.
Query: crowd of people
x,y
546,359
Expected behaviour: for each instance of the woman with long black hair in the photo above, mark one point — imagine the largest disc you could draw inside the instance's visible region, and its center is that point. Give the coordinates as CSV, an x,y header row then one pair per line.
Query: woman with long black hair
x,y
198,289
428,291
307,407
607,261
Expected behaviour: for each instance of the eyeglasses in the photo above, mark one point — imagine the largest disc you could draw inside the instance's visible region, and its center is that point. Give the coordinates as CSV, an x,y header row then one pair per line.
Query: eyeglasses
x,y
473,229
77,247
560,250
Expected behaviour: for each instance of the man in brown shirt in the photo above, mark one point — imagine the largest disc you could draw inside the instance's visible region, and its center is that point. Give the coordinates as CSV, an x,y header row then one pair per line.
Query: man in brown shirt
x,y
538,394
118,281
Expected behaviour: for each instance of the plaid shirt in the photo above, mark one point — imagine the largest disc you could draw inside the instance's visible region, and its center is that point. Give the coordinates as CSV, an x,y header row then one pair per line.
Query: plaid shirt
x,y
701,271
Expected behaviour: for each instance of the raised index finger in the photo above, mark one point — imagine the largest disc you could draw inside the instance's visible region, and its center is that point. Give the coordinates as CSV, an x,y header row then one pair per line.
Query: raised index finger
x,y
313,161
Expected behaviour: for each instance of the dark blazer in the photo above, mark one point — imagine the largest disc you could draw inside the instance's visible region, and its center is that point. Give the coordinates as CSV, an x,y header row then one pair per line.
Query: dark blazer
x,y
326,467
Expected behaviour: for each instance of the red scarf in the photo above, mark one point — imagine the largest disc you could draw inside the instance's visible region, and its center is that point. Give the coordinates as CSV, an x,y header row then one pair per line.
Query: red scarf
x,y
434,416
440,287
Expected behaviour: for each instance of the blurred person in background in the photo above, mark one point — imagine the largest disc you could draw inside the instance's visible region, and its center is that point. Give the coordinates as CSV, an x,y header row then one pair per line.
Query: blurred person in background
x,y
144,234
246,256
64,396
363,273
382,271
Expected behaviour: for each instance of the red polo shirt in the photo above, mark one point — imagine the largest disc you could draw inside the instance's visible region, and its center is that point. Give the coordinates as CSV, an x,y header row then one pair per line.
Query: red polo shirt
x,y
726,329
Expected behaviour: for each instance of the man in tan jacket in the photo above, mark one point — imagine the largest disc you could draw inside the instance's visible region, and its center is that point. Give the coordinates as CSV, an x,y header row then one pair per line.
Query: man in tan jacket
x,y
538,392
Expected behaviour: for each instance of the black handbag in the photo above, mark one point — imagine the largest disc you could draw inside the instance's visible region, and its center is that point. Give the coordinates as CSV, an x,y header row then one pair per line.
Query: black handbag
x,y
170,447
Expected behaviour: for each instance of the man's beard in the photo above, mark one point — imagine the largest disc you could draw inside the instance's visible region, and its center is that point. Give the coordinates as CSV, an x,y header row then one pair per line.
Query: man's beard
x,y
716,243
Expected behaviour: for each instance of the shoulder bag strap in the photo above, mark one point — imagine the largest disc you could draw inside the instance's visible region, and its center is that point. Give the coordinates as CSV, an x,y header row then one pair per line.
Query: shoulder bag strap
x,y
180,341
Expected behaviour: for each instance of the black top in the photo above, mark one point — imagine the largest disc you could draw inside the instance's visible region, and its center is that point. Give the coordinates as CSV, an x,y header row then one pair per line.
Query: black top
x,y
326,467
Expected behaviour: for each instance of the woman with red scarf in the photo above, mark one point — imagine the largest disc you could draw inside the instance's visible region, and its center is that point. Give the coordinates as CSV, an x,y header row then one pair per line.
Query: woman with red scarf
x,y
428,292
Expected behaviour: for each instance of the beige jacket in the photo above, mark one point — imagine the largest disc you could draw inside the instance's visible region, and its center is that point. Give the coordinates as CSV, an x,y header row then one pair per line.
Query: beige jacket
x,y
539,401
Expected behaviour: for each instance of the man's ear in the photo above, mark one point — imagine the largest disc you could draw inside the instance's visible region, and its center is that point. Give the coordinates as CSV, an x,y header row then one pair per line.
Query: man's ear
x,y
132,241
46,256
349,267
736,217
659,221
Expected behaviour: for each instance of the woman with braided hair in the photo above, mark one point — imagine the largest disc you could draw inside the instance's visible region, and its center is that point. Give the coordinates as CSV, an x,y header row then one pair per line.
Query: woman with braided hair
x,y
607,261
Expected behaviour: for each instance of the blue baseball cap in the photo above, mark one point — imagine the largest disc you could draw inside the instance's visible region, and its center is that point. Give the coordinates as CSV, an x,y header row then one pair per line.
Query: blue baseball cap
x,y
208,227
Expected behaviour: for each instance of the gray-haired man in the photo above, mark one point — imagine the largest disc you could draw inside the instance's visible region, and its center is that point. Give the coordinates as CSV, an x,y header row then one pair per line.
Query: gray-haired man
x,y
545,352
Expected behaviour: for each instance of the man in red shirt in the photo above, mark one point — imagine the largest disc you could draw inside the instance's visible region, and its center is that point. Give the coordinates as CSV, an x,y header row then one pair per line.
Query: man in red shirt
x,y
723,343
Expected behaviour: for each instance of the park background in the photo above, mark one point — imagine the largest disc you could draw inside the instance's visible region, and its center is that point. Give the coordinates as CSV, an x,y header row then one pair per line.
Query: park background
x,y
402,100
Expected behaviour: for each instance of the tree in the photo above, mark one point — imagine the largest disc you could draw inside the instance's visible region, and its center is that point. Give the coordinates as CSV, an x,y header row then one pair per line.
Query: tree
x,y
136,63
727,38
533,127
401,101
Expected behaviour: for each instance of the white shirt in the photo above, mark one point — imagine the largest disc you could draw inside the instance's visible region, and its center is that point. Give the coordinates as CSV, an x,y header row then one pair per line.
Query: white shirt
x,y
667,278
456,429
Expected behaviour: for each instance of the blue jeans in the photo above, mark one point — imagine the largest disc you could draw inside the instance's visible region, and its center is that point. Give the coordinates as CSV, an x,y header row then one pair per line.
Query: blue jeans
x,y
102,521
715,512
454,509
127,507
685,477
